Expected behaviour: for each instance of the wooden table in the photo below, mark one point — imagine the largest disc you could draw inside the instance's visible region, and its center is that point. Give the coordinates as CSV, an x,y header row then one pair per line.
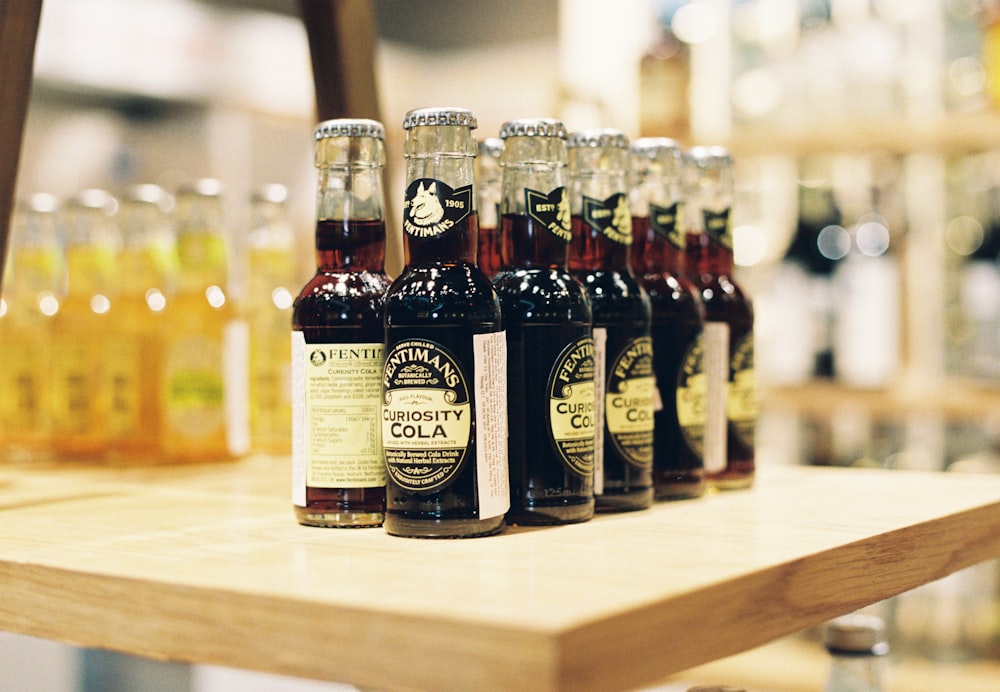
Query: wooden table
x,y
206,564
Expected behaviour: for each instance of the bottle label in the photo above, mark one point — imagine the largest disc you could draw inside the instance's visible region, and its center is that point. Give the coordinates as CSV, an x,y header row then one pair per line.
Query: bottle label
x,y
611,217
125,381
431,208
551,210
664,223
716,363
426,415
629,402
492,471
195,387
741,404
572,406
690,396
336,430
718,228
600,358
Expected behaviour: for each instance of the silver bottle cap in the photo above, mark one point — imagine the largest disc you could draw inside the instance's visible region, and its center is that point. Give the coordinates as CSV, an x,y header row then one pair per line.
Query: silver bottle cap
x,y
602,137
709,156
652,147
856,634
491,146
350,127
533,127
419,117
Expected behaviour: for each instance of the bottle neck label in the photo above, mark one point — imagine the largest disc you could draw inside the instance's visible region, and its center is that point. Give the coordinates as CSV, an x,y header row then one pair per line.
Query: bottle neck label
x,y
431,208
610,216
664,223
718,228
551,210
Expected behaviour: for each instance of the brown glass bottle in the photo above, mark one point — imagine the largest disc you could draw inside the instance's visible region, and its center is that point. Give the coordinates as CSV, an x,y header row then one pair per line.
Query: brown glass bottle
x,y
708,262
599,258
548,322
338,337
678,470
488,189
444,419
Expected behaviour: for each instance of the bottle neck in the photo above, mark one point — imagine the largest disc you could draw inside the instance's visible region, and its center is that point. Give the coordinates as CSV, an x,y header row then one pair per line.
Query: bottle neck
x,y
705,258
535,207
601,219
440,223
350,219
657,239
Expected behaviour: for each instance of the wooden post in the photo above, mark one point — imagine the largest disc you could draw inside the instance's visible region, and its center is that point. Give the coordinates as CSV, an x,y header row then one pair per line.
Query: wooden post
x,y
18,31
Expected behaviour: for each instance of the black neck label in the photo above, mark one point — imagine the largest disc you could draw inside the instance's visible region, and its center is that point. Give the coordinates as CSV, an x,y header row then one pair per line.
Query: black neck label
x,y
718,228
431,208
664,223
551,210
610,216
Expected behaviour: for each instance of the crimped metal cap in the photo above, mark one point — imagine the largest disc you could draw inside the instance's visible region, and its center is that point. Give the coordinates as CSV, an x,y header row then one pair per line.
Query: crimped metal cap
x,y
652,147
533,127
710,156
350,127
602,137
440,116
856,634
491,146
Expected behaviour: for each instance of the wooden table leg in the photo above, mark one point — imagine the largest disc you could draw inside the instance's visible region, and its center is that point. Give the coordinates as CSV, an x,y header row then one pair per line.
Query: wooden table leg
x,y
18,31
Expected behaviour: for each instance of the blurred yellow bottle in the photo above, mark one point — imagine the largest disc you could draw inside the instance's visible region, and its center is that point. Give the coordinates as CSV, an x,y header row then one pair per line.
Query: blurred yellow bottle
x,y
29,297
271,277
205,360
146,276
80,391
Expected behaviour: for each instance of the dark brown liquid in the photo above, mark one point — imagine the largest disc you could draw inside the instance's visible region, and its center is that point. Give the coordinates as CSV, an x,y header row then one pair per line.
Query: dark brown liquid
x,y
544,310
678,469
342,304
442,297
709,265
489,250
620,307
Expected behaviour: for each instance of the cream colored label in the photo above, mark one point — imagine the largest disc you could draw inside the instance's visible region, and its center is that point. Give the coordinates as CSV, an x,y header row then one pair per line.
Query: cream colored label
x,y
337,431
600,358
492,473
195,387
628,407
741,401
716,363
690,396
572,406
426,415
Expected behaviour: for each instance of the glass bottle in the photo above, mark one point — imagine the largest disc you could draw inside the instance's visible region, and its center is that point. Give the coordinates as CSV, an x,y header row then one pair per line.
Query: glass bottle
x,y
444,414
147,264
205,360
80,329
29,297
599,258
338,338
857,647
548,321
730,406
678,470
488,189
271,282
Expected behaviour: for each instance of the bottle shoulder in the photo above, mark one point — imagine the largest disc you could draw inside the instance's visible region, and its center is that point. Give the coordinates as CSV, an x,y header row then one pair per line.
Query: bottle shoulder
x,y
441,294
331,298
542,296
615,295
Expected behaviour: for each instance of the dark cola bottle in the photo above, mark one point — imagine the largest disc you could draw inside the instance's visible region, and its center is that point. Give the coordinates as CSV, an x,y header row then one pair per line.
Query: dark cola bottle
x,y
548,321
338,338
730,405
444,422
624,379
488,206
657,244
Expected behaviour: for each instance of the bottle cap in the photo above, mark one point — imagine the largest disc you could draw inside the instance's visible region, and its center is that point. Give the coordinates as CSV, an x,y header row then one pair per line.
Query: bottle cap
x,y
652,147
604,137
533,127
350,127
856,634
491,146
709,156
420,117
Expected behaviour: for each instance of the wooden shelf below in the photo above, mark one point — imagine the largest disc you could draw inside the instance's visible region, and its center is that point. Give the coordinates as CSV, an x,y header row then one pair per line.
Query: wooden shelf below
x,y
206,564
